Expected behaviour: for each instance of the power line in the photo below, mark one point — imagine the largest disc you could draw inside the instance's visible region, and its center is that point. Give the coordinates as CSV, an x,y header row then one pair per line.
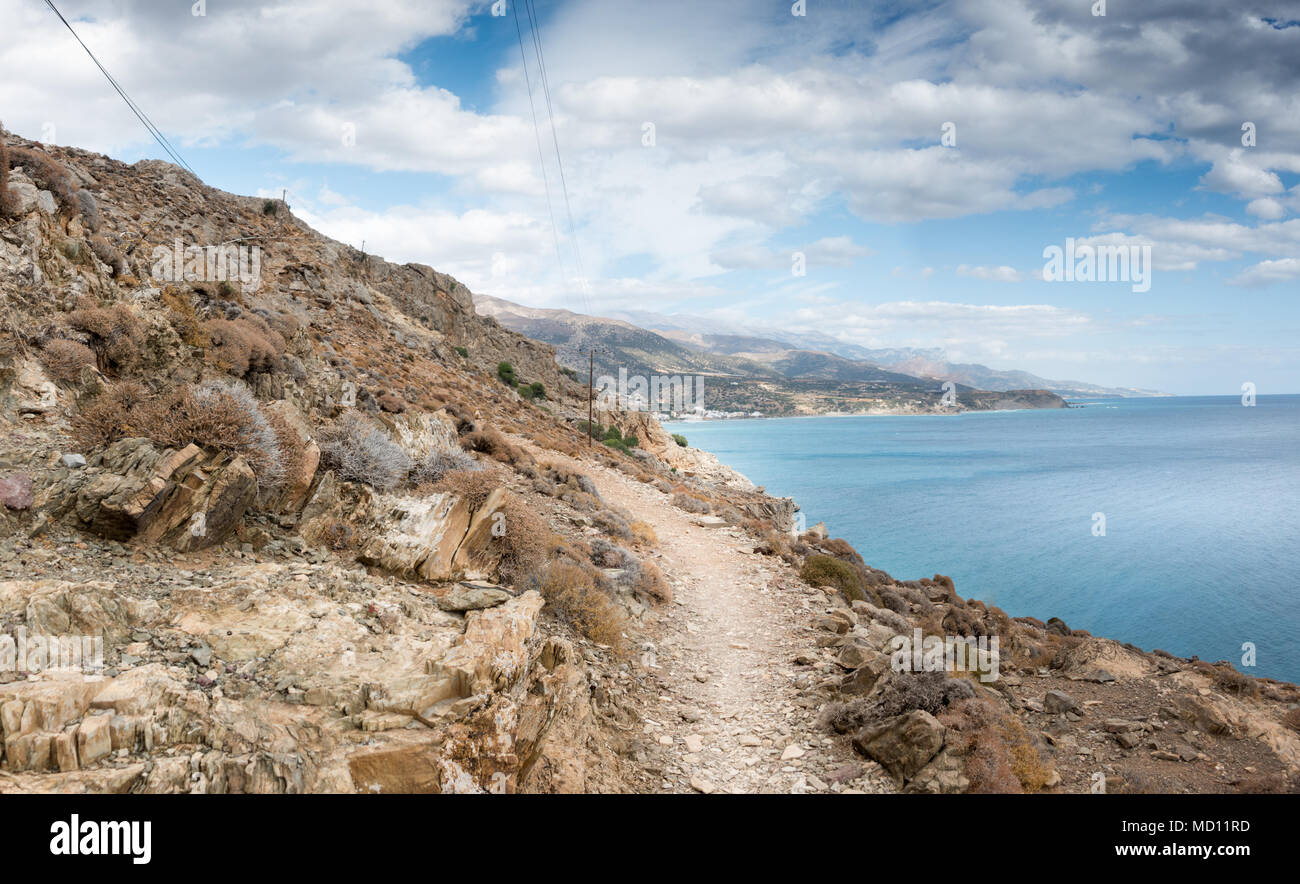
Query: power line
x,y
533,21
538,134
135,109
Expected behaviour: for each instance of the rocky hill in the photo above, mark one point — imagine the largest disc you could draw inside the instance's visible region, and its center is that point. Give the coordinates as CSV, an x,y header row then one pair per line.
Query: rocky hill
x,y
314,525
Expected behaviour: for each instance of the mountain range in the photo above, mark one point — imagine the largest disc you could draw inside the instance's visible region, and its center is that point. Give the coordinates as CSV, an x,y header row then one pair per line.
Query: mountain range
x,y
763,363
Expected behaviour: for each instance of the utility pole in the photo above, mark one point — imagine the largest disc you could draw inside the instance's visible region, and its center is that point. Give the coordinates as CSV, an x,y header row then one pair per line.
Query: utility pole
x,y
591,386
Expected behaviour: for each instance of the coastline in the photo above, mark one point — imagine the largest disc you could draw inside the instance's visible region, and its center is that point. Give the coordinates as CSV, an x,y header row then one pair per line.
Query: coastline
x,y
673,426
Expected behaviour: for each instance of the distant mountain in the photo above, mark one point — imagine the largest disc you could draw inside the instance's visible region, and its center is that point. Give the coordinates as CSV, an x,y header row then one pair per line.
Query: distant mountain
x,y
771,345
753,373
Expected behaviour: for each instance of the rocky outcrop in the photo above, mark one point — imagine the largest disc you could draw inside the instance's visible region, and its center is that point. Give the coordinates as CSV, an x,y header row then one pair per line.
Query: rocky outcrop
x,y
187,499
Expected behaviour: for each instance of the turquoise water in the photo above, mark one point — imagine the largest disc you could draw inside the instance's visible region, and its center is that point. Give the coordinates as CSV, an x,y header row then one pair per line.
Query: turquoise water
x,y
1201,499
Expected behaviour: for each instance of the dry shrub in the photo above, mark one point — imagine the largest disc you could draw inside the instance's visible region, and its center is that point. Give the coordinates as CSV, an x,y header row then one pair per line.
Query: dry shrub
x,y
115,333
643,533
490,442
691,504
293,451
48,175
472,486
650,581
1230,681
572,595
524,544
65,359
1000,756
105,252
361,452
819,570
180,312
118,412
244,345
1292,719
613,524
435,465
221,416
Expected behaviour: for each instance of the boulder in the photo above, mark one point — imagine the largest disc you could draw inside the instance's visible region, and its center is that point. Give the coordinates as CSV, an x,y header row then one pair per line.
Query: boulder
x,y
1056,702
903,744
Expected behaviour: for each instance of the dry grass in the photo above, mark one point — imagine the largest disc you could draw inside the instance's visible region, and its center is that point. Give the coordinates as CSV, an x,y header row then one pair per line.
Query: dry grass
x,y
118,412
65,359
115,333
525,543
572,595
490,442
223,417
472,486
1000,755
244,345
643,534
180,312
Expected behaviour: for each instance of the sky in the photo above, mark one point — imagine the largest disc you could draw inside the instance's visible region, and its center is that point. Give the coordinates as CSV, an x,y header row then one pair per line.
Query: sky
x,y
892,174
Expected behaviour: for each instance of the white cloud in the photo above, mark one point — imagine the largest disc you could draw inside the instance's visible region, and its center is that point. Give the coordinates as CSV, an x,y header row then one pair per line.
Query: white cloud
x,y
995,274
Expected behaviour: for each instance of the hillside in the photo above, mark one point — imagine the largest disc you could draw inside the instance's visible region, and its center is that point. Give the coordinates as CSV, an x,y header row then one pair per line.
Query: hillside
x,y
301,531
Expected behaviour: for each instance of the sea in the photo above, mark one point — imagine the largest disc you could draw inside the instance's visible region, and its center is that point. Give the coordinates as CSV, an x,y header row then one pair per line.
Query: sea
x,y
1169,523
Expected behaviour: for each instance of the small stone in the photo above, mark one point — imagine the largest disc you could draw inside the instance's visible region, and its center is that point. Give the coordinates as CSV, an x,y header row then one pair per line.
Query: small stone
x,y
699,784
791,752
74,461
693,743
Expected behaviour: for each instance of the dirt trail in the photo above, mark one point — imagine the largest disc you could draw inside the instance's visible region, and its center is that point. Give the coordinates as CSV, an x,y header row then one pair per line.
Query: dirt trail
x,y
730,715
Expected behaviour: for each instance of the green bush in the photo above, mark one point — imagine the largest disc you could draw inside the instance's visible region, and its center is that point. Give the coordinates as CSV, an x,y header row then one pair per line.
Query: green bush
x,y
821,570
506,372
539,392
679,439
463,351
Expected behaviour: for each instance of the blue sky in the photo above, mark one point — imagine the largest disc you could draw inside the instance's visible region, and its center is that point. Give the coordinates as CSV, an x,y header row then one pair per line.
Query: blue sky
x,y
408,125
